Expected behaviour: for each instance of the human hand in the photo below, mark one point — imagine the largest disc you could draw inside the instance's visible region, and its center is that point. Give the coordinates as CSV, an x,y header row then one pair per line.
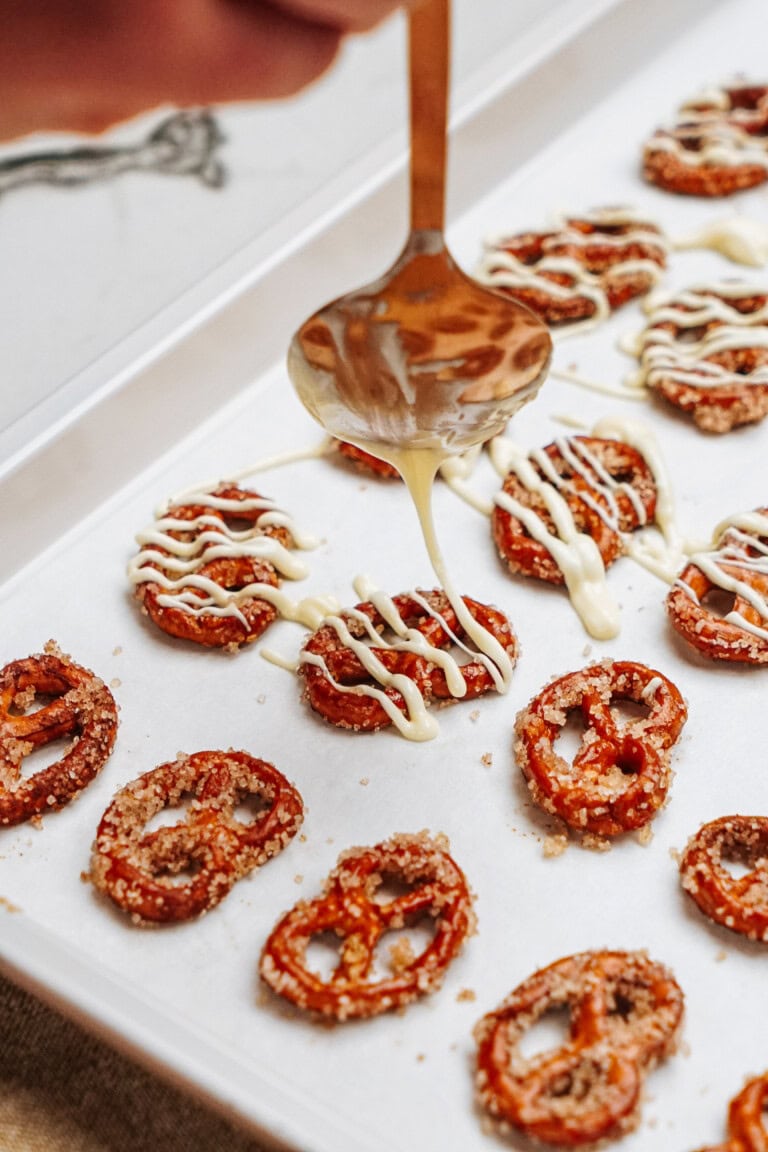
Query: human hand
x,y
82,65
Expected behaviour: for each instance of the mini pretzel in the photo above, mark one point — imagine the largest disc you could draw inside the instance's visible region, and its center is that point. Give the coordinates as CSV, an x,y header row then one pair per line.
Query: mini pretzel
x,y
737,567
625,1015
143,872
739,903
365,461
606,490
349,908
79,706
620,775
705,351
347,664
208,565
717,147
582,269
747,1130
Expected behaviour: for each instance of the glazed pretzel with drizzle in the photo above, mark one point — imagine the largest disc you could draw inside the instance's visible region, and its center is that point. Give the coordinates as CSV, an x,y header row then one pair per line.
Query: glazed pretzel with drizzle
x,y
620,775
583,269
736,568
625,1015
739,903
208,565
360,666
437,893
718,146
747,1130
705,351
75,704
178,871
600,488
365,461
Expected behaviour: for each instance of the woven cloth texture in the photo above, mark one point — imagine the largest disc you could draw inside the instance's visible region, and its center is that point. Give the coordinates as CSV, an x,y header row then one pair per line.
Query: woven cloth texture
x,y
62,1090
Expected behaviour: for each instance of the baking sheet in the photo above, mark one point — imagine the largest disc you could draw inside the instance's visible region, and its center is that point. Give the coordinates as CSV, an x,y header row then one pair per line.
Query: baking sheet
x,y
186,997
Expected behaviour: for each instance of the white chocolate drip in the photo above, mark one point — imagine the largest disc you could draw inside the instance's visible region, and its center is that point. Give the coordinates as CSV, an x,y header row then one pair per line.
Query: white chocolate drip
x,y
739,238
175,565
686,358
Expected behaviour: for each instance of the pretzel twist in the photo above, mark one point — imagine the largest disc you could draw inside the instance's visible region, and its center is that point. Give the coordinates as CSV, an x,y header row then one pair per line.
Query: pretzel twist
x,y
178,871
738,903
437,892
78,705
620,775
625,1015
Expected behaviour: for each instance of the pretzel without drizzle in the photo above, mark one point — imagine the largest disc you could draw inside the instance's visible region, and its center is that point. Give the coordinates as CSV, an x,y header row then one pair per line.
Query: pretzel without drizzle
x,y
583,269
719,602
607,488
348,692
73,703
620,775
747,1130
625,1015
356,911
718,146
705,351
736,902
201,565
180,870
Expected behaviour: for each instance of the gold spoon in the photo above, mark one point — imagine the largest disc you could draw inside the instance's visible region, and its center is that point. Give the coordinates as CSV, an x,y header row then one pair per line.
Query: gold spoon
x,y
425,357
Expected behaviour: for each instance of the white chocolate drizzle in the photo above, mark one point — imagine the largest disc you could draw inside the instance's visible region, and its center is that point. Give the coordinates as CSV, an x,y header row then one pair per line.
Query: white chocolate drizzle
x,y
686,358
721,132
499,268
175,565
739,238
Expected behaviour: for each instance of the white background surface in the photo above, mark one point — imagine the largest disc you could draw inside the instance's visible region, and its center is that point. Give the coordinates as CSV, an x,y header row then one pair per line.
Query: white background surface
x,y
405,1081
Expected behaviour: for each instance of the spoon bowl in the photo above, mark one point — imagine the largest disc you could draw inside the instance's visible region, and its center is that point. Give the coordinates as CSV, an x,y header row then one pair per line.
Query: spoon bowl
x,y
424,357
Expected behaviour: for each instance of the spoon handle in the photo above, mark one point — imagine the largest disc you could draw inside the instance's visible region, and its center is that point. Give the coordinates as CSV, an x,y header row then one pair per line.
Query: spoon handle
x,y
428,50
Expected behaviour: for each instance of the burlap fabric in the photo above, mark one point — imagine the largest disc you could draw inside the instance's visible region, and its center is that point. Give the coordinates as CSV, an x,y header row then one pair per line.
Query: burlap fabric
x,y
61,1090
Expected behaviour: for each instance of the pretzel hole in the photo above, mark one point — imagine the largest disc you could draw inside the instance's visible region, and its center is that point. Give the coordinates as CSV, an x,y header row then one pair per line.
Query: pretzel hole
x,y
738,860
167,817
251,808
718,602
389,886
550,1032
38,759
399,949
692,335
235,523
628,712
322,955
571,735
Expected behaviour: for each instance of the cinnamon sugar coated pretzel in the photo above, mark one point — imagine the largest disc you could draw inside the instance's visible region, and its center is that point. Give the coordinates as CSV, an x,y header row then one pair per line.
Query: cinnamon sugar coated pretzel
x,y
747,1124
620,775
365,461
705,351
180,870
372,664
737,568
43,698
582,269
209,567
354,908
625,1016
739,903
718,146
600,488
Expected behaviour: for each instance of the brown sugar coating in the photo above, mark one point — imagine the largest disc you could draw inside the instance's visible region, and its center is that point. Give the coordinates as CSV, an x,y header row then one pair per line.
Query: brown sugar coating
x,y
736,568
620,775
583,269
345,690
206,566
180,870
73,703
739,903
357,915
718,146
704,350
747,1127
607,486
625,1016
